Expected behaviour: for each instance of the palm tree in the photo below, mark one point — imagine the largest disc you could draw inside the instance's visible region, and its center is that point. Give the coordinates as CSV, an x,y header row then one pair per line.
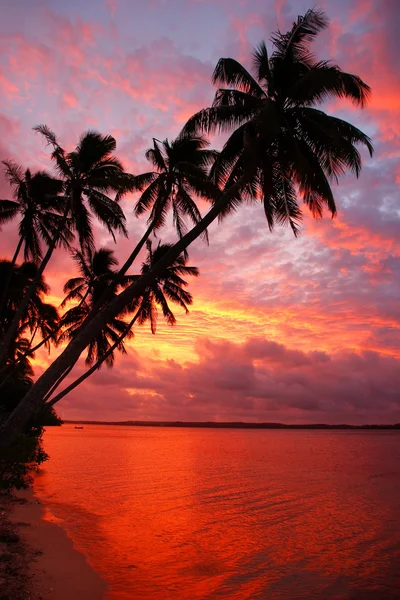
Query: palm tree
x,y
276,148
167,287
282,146
38,201
88,173
40,317
180,171
97,275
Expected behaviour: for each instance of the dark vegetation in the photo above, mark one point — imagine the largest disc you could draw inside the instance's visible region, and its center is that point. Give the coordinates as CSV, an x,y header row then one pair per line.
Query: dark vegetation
x,y
232,425
282,149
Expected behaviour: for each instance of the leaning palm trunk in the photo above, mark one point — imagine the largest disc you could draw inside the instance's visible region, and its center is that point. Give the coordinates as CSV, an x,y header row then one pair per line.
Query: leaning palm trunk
x,y
57,383
20,417
131,259
92,369
12,330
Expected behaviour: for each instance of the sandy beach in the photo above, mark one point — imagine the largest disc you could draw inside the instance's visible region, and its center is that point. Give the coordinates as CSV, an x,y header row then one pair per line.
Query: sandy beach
x,y
56,570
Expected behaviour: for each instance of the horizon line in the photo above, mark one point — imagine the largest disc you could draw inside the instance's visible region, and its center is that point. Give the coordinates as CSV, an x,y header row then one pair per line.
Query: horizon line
x,y
233,424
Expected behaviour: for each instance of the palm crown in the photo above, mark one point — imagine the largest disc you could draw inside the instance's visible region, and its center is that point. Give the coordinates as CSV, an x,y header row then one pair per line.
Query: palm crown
x,y
281,144
169,286
40,317
97,275
37,200
181,169
90,173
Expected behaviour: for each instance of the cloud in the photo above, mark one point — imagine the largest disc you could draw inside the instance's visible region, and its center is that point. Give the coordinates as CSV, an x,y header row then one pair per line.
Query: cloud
x,y
259,380
280,329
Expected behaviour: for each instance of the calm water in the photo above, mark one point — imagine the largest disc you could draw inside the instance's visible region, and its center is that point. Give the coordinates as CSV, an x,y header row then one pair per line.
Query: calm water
x,y
184,513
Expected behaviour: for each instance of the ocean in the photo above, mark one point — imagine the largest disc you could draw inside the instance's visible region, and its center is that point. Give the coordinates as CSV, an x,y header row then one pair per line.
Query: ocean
x,y
184,514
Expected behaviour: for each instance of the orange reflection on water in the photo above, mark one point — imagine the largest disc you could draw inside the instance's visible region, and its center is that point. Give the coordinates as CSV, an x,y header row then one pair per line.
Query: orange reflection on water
x,y
186,513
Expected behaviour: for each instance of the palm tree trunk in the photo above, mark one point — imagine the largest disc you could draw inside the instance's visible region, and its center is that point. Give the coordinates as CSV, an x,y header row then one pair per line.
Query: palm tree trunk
x,y
57,383
21,415
17,251
8,278
129,262
92,369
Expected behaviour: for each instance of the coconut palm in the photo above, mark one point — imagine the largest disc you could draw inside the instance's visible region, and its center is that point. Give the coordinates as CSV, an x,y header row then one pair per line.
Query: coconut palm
x,y
168,287
180,173
40,317
97,274
88,173
38,202
282,145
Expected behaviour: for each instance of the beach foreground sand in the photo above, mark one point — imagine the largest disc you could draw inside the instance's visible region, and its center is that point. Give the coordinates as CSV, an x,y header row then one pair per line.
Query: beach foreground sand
x,y
58,571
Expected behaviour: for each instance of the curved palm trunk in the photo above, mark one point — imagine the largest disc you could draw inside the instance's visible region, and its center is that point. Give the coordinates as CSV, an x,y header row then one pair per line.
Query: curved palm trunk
x,y
57,383
6,284
21,415
131,259
92,369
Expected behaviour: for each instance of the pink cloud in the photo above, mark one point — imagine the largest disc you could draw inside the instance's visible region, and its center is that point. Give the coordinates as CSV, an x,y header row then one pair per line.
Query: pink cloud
x,y
256,381
293,327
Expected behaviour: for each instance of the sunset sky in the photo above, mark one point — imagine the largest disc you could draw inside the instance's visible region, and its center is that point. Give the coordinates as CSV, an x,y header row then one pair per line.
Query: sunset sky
x,y
282,329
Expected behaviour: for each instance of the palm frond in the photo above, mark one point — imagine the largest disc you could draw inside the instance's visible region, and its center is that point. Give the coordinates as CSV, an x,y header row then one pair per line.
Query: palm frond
x,y
230,72
324,81
13,172
293,46
261,64
8,210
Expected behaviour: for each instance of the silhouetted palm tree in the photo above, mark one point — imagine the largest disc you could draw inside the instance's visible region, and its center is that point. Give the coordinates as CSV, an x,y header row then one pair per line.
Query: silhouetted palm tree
x,y
180,173
89,173
40,317
38,202
97,274
282,144
168,287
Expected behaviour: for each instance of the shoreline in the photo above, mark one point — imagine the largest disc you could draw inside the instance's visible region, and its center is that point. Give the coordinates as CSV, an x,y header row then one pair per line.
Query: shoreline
x,y
56,569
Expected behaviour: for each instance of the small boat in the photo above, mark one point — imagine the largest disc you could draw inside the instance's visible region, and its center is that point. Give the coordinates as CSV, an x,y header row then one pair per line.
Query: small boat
x,y
80,427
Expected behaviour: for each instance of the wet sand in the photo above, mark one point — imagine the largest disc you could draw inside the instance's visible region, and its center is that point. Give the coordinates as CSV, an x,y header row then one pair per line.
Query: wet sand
x,y
57,570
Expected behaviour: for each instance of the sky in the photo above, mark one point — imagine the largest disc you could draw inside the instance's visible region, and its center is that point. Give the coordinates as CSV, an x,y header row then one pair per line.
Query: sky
x,y
281,329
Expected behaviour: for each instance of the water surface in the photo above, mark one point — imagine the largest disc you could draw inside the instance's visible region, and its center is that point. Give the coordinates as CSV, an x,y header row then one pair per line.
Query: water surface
x,y
184,514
